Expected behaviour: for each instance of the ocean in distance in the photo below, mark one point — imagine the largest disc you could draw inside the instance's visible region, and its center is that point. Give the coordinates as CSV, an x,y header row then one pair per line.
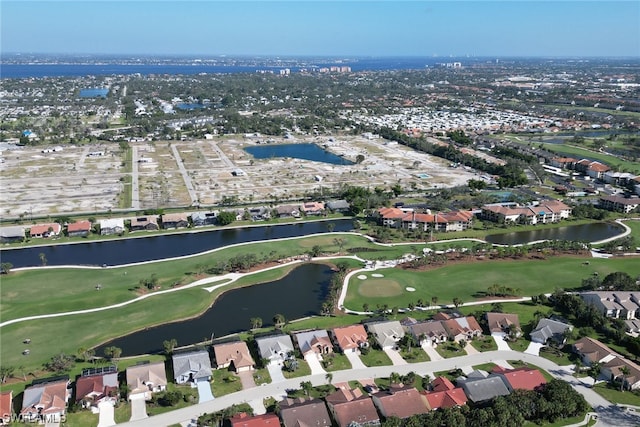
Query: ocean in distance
x,y
36,70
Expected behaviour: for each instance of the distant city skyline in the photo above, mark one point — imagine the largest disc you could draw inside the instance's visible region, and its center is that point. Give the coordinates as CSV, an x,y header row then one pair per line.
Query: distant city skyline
x,y
508,28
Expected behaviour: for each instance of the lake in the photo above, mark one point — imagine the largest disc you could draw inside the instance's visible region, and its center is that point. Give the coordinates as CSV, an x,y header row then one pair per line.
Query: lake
x,y
299,294
94,93
297,151
157,247
581,233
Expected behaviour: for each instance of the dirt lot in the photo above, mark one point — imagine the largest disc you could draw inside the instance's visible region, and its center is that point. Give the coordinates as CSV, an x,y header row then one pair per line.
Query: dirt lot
x,y
189,172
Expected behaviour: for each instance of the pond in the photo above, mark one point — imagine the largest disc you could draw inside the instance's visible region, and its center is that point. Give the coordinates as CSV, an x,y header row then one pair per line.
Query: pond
x,y
297,151
94,93
156,247
299,294
581,233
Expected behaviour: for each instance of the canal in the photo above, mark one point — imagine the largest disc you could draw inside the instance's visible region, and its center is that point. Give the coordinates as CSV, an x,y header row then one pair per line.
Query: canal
x,y
592,232
299,294
157,247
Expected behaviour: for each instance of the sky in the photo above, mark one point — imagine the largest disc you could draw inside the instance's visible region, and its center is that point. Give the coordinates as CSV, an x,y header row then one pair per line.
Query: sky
x,y
540,28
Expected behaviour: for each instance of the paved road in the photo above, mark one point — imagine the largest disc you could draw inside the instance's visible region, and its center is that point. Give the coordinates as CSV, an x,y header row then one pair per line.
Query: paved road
x,y
185,175
608,414
135,183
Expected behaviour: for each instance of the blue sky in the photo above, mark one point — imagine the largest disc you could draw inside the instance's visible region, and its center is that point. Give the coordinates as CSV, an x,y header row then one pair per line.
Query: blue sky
x,y
345,28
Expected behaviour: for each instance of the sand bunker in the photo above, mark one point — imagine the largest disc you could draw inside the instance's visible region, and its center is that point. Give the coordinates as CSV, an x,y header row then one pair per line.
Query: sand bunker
x,y
410,289
377,275
362,277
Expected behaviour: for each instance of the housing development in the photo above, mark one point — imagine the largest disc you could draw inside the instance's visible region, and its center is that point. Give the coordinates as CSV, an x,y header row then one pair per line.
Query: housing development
x,y
320,242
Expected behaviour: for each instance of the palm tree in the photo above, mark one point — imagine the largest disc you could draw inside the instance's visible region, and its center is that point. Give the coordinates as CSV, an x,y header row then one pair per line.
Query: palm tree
x,y
306,386
594,371
256,322
457,302
328,377
394,378
279,321
625,371
169,345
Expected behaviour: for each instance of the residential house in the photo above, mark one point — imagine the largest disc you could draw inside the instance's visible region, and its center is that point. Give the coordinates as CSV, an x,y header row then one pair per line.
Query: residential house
x,y
411,220
545,211
144,223
563,162
6,407
11,234
304,412
400,402
260,213
175,220
312,208
111,226
95,386
386,333
311,342
619,203
462,328
618,178
480,387
612,370
338,206
199,219
352,408
591,168
79,228
431,332
350,339
521,378
46,399
592,351
444,394
550,330
146,379
45,230
245,420
191,367
391,217
274,348
500,324
633,326
617,304
233,355
288,211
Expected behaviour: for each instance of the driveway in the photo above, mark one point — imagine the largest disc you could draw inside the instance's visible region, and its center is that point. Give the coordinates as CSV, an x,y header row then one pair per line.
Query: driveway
x,y
246,378
275,371
356,362
431,352
500,342
395,357
138,407
314,364
470,349
534,348
106,417
204,391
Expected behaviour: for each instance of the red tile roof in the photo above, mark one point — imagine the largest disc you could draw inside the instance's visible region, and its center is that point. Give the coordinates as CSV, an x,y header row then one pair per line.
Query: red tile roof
x,y
79,226
524,378
446,399
44,228
244,420
350,337
442,384
6,407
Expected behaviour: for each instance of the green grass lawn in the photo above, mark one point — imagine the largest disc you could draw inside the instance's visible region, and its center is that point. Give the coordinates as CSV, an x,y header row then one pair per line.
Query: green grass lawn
x,y
520,344
559,357
375,358
484,343
614,395
261,376
303,370
485,366
81,418
416,355
335,362
224,382
468,281
122,413
611,161
450,349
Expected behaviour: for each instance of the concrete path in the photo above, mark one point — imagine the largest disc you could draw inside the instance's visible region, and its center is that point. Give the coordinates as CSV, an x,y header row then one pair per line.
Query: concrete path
x,y
246,378
275,371
356,362
500,342
106,417
314,364
204,391
138,407
180,415
503,364
534,348
395,357
431,352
